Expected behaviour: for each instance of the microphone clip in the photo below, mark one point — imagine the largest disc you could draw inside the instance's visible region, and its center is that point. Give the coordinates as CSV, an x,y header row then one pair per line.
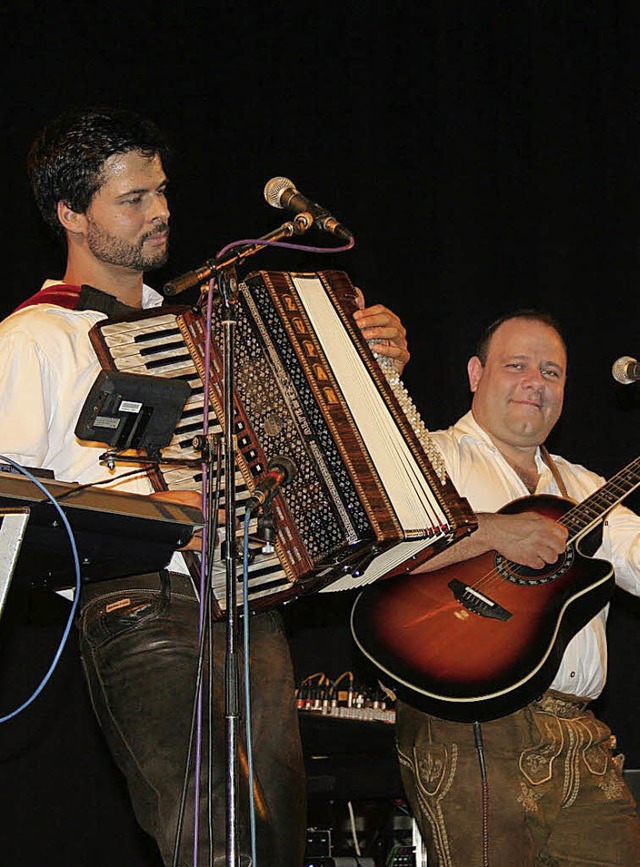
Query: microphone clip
x,y
281,470
266,528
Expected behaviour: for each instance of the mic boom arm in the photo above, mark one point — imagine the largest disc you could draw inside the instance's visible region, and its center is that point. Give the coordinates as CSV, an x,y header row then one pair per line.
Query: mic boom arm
x,y
204,272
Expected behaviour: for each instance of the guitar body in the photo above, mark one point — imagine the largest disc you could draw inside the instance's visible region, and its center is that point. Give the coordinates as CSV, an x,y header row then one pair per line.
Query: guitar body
x,y
482,638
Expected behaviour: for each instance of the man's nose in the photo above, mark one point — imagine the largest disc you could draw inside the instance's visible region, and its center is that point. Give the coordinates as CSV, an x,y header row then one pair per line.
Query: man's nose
x,y
159,212
534,378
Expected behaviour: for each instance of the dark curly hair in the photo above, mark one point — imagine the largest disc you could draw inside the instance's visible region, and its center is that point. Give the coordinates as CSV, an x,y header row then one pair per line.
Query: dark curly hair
x,y
66,159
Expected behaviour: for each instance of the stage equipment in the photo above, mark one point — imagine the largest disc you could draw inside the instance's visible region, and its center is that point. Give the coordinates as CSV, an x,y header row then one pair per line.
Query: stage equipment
x,y
117,533
129,411
13,523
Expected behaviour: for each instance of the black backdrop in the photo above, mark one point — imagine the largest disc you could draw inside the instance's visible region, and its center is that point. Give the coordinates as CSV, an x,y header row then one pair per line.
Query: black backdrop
x,y
486,157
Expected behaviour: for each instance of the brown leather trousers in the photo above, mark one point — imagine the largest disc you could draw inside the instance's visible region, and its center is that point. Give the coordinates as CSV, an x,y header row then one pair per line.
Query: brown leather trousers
x,y
556,794
139,649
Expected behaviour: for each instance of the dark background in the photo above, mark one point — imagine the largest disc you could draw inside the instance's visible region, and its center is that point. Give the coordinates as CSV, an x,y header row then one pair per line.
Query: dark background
x,y
486,157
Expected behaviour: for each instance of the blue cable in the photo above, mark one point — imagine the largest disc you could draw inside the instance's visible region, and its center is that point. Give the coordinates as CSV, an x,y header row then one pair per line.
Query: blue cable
x,y
76,598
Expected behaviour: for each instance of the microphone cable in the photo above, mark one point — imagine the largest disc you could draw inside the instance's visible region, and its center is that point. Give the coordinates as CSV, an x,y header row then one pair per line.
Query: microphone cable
x,y
477,733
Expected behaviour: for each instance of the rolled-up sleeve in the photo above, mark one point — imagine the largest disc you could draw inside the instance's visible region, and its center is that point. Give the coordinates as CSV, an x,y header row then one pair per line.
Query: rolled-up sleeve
x,y
621,546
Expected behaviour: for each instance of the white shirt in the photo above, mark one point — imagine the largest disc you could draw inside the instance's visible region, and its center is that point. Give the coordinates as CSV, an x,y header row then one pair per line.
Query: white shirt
x,y
482,475
47,367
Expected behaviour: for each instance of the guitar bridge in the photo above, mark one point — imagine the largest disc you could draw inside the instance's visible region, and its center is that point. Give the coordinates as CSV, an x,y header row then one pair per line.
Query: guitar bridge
x,y
477,602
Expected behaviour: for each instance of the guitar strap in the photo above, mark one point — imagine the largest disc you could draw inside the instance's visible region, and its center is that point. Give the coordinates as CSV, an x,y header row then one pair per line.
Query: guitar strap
x,y
592,541
554,470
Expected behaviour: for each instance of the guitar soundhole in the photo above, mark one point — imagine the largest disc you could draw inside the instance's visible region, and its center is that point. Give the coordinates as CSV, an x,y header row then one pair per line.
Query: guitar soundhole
x,y
519,574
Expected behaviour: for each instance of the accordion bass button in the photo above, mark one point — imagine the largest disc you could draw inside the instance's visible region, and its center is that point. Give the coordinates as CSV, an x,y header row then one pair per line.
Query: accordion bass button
x,y
273,425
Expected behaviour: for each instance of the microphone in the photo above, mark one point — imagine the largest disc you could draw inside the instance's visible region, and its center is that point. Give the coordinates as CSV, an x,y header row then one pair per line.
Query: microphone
x,y
282,193
281,471
626,370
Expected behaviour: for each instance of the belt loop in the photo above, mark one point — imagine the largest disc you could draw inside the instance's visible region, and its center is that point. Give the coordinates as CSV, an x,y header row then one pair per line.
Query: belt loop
x,y
165,585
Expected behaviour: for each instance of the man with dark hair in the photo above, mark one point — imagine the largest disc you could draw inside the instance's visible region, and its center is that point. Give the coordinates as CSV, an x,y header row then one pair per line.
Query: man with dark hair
x,y
542,784
98,176
67,159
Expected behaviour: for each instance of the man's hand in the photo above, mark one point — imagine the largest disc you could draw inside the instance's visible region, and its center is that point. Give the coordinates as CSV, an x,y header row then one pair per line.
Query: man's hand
x,y
527,538
378,323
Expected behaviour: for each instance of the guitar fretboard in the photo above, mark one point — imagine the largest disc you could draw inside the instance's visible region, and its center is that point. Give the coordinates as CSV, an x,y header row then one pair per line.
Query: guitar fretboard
x,y
586,514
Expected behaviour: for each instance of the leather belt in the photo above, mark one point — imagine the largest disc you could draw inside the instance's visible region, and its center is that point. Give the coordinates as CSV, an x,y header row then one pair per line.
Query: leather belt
x,y
174,582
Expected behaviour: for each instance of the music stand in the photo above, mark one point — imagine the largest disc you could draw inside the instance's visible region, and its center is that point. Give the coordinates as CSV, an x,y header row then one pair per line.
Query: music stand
x,y
132,410
13,523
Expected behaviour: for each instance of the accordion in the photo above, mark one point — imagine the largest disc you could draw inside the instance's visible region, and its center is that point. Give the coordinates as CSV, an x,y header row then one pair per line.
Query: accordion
x,y
370,497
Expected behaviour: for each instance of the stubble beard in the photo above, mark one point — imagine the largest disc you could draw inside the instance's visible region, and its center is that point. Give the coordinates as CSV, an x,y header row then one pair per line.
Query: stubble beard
x,y
114,251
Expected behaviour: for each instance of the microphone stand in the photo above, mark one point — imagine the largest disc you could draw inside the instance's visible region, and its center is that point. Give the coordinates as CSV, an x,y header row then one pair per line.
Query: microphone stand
x,y
227,283
225,271
228,288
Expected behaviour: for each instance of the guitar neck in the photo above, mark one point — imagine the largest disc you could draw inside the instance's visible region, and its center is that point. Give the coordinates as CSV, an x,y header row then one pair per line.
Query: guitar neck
x,y
587,514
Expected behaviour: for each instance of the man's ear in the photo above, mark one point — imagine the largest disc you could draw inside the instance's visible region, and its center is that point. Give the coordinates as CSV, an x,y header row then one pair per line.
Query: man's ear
x,y
474,372
70,220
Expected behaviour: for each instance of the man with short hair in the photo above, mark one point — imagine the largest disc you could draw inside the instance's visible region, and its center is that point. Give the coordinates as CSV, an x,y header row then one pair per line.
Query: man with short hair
x,y
542,784
99,178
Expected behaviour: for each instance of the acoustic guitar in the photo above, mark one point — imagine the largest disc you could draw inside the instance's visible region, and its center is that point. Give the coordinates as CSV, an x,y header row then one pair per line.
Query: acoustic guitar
x,y
482,638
